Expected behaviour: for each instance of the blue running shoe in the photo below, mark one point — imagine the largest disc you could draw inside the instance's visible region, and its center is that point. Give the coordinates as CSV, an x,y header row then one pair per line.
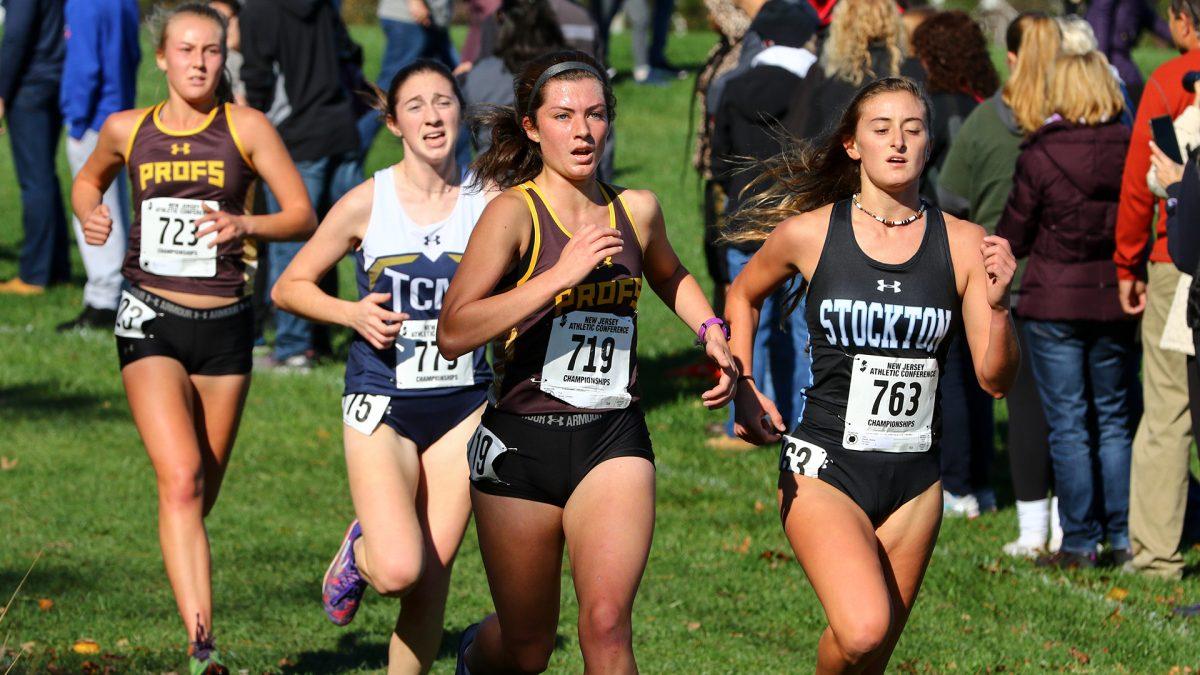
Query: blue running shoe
x,y
468,636
343,587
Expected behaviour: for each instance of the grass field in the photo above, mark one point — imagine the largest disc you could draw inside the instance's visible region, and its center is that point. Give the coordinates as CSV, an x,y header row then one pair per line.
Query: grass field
x,y
722,593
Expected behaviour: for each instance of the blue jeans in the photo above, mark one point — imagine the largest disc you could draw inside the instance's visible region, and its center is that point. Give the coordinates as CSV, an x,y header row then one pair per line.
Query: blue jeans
x,y
326,179
1081,368
406,42
34,126
782,367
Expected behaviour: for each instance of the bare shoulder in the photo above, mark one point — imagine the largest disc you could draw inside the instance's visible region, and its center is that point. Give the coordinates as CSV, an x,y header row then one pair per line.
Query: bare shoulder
x,y
506,209
248,121
806,230
642,204
357,203
119,126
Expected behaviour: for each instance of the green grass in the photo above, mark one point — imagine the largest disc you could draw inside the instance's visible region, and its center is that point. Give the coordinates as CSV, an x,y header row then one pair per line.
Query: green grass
x,y
720,594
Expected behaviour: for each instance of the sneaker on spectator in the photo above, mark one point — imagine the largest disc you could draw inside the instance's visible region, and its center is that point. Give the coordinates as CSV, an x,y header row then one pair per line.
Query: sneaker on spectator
x,y
16,286
651,76
1066,560
90,317
1118,557
1024,549
955,506
296,363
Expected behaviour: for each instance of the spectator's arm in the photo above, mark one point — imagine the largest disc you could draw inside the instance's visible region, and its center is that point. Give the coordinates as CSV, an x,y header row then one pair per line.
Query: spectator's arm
x,y
1135,213
258,54
1183,227
121,59
19,35
1019,222
81,83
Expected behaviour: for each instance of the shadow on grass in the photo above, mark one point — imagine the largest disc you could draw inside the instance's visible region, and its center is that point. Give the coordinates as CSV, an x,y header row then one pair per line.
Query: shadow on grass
x,y
45,400
353,653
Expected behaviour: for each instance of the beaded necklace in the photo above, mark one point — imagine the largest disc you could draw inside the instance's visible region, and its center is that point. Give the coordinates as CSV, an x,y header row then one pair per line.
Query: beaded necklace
x,y
905,221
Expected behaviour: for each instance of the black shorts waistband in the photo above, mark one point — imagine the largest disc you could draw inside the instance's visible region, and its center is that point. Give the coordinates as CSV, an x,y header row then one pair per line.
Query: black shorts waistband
x,y
166,306
562,421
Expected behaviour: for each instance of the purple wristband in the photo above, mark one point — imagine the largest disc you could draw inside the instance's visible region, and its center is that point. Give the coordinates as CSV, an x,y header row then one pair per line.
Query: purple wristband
x,y
715,321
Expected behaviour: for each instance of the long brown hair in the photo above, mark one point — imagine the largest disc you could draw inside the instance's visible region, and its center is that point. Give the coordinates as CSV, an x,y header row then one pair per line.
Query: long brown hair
x,y
807,176
954,51
512,157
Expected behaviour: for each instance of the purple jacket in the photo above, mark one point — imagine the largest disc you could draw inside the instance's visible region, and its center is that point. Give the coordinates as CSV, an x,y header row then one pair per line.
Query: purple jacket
x,y
1062,214
1118,25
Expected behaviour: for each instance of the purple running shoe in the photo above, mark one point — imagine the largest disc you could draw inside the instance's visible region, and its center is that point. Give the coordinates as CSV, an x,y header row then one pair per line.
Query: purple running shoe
x,y
342,589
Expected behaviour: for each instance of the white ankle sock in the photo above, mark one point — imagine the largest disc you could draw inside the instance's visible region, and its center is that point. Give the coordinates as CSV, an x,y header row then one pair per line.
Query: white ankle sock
x,y
1056,533
1033,519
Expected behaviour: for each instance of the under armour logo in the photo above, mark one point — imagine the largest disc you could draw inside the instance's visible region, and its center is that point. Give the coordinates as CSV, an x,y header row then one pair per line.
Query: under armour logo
x,y
893,286
185,148
433,240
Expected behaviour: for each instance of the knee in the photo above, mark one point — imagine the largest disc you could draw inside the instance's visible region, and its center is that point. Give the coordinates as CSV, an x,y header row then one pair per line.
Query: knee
x,y
529,654
865,636
181,489
605,624
395,576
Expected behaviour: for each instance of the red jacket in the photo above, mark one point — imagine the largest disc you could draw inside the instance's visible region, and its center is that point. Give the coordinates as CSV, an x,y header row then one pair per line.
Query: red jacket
x,y
1164,95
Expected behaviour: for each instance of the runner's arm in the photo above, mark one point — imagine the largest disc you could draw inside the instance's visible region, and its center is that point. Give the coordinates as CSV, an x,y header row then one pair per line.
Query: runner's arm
x,y
296,219
988,265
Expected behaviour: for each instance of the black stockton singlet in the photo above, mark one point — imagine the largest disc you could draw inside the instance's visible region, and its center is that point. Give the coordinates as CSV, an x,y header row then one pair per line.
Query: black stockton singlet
x,y
208,164
578,353
879,336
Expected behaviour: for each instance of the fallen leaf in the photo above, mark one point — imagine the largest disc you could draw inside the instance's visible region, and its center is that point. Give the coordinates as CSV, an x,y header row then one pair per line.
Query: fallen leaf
x,y
86,647
285,662
693,626
28,646
7,464
1079,656
322,434
744,548
1115,618
45,604
1117,594
759,506
123,643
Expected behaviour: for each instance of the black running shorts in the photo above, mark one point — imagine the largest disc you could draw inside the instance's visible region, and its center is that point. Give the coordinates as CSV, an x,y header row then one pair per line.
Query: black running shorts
x,y
206,341
543,458
878,482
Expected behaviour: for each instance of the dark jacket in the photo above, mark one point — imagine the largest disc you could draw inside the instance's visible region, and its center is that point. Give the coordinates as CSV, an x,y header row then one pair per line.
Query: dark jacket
x,y
1183,219
818,101
1062,213
1118,24
32,52
950,110
747,128
303,42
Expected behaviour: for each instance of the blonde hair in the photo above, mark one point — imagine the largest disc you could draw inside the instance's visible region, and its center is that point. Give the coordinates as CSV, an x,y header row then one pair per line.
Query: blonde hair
x,y
1083,89
1077,35
1027,90
857,24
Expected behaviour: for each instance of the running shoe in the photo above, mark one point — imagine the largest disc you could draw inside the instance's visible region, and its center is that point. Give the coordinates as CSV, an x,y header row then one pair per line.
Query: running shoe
x,y
343,587
468,636
203,658
956,506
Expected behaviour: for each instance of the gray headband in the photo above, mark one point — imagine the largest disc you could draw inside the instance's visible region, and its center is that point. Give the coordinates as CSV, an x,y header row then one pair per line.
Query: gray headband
x,y
555,70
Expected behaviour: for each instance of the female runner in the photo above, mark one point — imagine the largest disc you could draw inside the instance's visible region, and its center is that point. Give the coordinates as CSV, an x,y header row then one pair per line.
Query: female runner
x,y
184,327
407,412
890,278
554,269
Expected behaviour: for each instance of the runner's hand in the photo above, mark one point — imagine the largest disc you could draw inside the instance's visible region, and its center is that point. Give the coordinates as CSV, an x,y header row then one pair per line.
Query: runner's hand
x,y
755,417
589,247
377,325
1001,265
98,226
718,350
227,226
